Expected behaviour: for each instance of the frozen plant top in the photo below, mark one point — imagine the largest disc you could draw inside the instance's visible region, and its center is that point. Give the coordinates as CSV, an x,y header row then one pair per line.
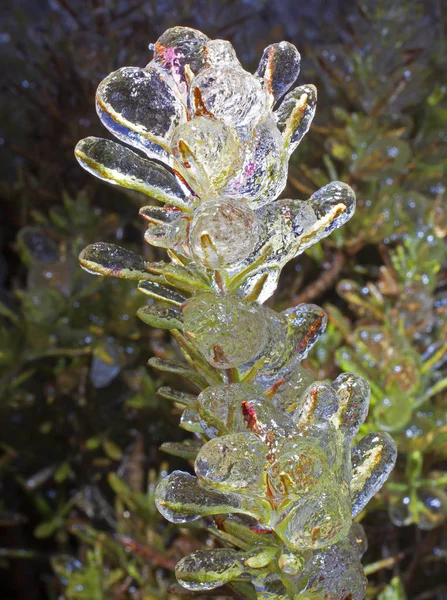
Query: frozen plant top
x,y
217,140
278,466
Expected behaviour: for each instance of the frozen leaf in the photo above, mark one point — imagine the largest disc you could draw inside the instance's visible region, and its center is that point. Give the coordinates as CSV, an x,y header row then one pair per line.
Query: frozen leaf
x,y
373,459
118,165
181,498
297,469
223,233
263,175
175,396
335,573
140,108
101,258
179,50
286,388
288,227
162,317
208,153
187,450
159,292
214,325
221,53
318,404
209,569
321,518
190,420
295,115
278,69
232,462
219,407
353,392
172,366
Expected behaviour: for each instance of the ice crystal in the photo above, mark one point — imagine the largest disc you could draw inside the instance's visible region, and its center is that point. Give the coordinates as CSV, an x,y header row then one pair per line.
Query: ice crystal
x,y
277,468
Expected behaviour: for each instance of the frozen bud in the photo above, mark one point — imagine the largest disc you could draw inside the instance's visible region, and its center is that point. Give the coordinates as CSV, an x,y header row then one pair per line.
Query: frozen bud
x,y
227,331
208,153
230,95
223,233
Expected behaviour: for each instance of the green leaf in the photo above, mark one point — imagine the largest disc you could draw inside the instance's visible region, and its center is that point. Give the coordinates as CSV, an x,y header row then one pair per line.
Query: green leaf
x,y
112,260
187,450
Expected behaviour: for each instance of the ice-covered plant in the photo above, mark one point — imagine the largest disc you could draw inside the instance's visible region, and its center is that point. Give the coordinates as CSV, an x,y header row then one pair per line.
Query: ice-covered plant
x,y
274,464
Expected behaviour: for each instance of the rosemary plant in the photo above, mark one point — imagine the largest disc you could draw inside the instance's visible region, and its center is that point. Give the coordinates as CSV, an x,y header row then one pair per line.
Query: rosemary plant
x,y
277,477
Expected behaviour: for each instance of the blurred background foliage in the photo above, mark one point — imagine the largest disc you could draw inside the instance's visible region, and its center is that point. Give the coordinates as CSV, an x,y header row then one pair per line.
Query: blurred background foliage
x,y
81,423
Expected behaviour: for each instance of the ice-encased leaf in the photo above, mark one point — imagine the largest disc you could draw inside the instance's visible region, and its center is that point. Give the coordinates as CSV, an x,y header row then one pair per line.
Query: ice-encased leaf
x,y
263,175
353,392
214,325
190,420
182,398
279,67
159,292
162,317
295,115
288,336
208,153
102,258
223,232
373,459
288,228
297,469
187,450
319,403
181,498
209,569
335,573
219,407
228,94
220,53
287,387
308,322
181,49
118,165
141,108
233,462
320,518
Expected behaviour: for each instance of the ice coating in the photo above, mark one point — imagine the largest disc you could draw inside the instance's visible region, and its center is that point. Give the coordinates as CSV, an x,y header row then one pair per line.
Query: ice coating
x,y
276,467
208,153
141,108
223,232
213,325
